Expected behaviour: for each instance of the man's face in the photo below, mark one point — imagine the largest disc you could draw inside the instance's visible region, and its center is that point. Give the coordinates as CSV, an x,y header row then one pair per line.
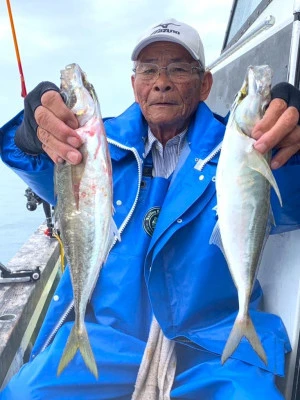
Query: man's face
x,y
168,106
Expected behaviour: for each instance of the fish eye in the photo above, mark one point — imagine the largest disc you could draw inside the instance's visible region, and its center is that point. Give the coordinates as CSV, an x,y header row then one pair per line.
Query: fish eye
x,y
264,107
69,98
64,96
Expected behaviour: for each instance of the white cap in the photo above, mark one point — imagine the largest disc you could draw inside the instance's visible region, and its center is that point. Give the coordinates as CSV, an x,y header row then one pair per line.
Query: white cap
x,y
174,31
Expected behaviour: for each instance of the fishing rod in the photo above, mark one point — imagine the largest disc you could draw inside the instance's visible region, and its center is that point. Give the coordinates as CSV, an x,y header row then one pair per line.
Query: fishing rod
x,y
23,85
33,200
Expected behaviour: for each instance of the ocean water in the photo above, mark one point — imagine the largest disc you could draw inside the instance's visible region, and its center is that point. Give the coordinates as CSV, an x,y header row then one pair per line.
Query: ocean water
x,y
16,223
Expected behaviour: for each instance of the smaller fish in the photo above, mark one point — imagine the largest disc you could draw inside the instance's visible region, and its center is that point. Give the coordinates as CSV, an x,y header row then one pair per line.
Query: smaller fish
x,y
84,207
243,183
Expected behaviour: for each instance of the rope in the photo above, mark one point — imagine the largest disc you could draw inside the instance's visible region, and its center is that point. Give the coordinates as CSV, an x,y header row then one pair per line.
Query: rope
x,y
62,252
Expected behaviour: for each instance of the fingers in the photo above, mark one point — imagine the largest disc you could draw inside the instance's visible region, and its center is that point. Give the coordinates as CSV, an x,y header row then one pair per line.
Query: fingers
x,y
55,126
283,156
56,129
274,128
278,129
54,156
274,136
57,149
288,147
276,108
53,102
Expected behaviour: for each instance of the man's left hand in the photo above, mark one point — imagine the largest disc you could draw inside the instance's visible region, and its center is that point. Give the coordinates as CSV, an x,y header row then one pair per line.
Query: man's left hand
x,y
279,127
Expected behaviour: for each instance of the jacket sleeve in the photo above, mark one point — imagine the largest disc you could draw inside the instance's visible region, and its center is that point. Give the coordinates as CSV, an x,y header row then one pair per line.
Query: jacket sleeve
x,y
287,217
35,171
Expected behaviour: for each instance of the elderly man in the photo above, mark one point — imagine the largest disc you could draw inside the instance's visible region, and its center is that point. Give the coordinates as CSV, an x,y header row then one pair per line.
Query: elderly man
x,y
163,282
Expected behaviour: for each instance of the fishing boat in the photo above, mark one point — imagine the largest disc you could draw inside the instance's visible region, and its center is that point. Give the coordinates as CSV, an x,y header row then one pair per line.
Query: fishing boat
x,y
258,32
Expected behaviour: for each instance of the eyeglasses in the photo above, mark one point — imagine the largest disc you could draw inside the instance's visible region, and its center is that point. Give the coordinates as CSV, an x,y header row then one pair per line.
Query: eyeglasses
x,y
177,72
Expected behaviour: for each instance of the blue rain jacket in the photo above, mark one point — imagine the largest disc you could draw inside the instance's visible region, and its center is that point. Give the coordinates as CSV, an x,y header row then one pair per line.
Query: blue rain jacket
x,y
172,272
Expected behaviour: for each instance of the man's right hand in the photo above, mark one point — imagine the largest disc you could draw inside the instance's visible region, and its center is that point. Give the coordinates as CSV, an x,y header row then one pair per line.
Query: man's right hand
x,y
49,125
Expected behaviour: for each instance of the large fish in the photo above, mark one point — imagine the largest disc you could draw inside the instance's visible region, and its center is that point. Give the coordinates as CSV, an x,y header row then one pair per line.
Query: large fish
x,y
84,207
243,183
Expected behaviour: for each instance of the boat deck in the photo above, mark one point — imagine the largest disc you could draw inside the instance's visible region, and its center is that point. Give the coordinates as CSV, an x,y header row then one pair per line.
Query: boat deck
x,y
23,304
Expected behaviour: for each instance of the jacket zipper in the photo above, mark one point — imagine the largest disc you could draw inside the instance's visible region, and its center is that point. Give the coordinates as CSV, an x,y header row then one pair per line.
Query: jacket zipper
x,y
201,163
56,328
121,229
139,163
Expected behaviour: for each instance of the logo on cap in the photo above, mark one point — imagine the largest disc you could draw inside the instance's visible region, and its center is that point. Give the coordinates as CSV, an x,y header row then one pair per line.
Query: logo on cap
x,y
165,26
165,29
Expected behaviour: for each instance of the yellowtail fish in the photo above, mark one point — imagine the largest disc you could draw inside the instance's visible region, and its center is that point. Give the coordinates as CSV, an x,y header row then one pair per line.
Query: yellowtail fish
x,y
243,183
84,207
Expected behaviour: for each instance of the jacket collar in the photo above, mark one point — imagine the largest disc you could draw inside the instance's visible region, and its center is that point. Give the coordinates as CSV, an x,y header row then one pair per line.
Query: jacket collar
x,y
205,131
130,129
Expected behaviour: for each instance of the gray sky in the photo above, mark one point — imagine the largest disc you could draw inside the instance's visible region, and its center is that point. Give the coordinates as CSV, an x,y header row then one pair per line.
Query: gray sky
x,y
97,35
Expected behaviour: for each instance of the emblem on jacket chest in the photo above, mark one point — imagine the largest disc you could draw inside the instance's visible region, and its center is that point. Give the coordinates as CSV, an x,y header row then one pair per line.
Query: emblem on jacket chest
x,y
150,220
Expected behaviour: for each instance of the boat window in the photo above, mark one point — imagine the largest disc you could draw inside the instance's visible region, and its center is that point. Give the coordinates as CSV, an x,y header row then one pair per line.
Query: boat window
x,y
243,14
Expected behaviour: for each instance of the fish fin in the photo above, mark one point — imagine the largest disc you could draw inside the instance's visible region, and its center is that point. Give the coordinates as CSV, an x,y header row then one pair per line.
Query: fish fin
x,y
216,238
271,220
243,327
110,240
114,232
259,164
78,341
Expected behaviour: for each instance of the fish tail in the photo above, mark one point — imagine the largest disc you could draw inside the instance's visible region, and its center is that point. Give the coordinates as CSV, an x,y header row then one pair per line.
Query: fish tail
x,y
243,327
78,340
